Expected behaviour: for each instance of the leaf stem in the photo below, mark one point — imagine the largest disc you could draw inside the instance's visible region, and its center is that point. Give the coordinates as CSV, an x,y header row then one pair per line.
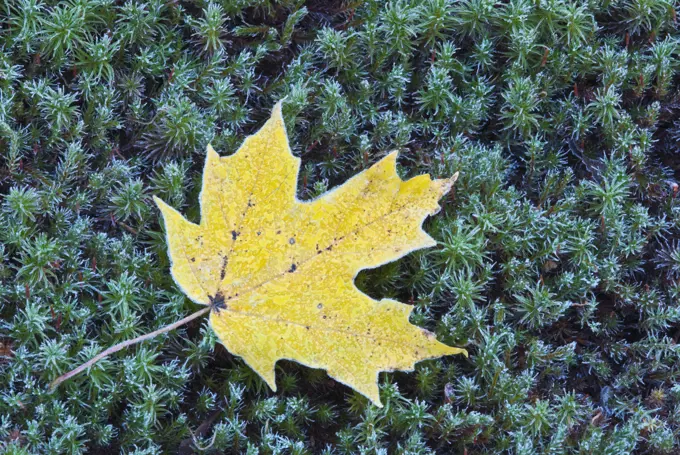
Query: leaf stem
x,y
124,344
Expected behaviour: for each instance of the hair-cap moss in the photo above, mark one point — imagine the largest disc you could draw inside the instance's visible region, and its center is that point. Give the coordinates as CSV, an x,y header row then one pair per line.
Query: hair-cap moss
x,y
557,257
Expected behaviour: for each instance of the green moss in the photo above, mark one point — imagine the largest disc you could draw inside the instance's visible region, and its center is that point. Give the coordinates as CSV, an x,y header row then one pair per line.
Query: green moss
x,y
558,259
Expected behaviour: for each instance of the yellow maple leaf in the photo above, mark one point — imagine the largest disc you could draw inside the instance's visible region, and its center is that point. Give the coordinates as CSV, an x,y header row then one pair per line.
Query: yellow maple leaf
x,y
278,273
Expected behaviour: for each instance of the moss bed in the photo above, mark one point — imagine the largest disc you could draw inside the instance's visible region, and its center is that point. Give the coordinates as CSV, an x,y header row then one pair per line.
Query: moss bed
x,y
558,265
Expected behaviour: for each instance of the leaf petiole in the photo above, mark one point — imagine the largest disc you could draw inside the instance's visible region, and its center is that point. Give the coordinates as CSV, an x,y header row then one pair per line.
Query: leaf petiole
x,y
124,344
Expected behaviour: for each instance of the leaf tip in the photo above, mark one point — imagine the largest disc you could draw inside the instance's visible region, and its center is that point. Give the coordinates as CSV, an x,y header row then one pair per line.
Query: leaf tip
x,y
372,395
277,112
391,161
211,154
269,378
159,202
163,206
445,185
455,351
454,177
428,241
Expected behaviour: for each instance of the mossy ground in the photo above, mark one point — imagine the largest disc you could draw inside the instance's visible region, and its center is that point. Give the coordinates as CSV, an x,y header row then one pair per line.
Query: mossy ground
x,y
559,261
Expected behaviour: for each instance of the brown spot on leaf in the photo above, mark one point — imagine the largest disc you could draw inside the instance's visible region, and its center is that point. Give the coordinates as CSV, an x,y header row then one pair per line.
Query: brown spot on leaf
x,y
223,272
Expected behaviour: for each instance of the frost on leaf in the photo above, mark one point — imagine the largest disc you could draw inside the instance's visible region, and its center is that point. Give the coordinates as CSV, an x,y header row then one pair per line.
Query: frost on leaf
x,y
279,272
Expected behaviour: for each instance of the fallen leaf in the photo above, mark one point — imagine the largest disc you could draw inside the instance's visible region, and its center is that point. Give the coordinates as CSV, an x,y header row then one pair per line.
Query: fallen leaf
x,y
278,273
